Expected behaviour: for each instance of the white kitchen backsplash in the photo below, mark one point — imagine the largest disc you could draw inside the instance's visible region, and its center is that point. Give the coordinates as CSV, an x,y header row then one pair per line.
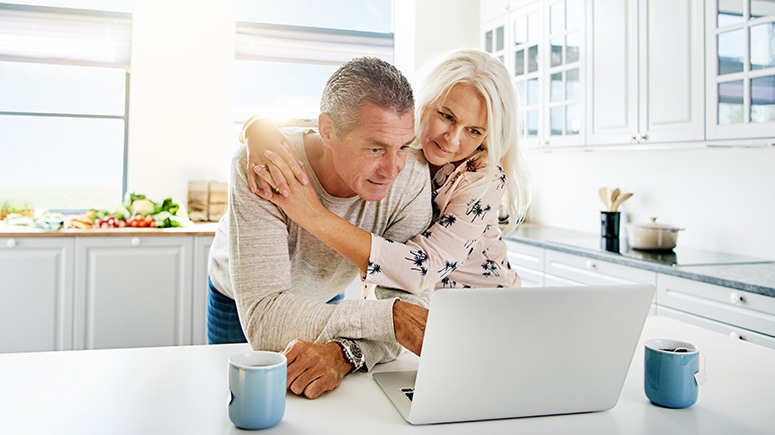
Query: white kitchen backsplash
x,y
722,197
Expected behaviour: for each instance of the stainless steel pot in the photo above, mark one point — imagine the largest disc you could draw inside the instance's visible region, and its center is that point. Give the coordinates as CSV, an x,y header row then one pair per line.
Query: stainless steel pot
x,y
652,235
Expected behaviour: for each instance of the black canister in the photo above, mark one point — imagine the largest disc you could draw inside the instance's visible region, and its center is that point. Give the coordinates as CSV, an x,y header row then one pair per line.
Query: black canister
x,y
609,224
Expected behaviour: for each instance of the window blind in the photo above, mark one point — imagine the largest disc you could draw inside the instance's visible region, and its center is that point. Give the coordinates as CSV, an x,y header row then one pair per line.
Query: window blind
x,y
309,44
69,36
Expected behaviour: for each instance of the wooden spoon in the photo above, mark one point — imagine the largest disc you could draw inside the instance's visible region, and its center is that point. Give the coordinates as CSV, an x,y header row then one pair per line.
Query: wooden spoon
x,y
605,196
623,197
614,195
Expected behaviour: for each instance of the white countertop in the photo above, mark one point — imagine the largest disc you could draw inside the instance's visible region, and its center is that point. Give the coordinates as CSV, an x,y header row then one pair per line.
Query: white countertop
x,y
183,390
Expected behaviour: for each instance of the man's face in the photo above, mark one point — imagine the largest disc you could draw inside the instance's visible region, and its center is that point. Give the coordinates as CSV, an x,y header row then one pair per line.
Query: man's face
x,y
369,158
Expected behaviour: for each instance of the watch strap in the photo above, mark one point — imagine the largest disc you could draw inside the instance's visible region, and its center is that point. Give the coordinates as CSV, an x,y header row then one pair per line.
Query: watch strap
x,y
352,352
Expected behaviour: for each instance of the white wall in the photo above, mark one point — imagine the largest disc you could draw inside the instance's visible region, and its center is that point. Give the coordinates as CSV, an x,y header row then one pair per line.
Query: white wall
x,y
425,28
722,197
180,95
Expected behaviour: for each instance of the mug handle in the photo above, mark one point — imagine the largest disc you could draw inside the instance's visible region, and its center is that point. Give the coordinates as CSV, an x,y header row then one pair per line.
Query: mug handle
x,y
701,376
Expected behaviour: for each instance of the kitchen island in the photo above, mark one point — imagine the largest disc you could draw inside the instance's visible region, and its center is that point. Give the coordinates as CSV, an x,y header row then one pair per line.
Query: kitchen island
x,y
183,390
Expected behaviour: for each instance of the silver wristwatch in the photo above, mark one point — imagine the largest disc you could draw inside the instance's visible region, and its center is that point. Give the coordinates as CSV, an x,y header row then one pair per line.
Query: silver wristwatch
x,y
352,352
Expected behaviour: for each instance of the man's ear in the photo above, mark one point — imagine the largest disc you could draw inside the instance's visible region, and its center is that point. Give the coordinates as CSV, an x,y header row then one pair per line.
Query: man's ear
x,y
326,129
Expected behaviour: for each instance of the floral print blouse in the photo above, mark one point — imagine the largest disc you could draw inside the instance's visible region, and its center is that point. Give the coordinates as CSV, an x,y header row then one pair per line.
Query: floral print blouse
x,y
462,248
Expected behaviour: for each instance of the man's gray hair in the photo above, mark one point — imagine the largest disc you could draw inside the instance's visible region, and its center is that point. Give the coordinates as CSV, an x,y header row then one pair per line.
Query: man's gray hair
x,y
364,79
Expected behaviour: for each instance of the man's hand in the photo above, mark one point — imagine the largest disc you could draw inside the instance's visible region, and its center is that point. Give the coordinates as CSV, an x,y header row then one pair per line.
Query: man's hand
x,y
409,322
313,368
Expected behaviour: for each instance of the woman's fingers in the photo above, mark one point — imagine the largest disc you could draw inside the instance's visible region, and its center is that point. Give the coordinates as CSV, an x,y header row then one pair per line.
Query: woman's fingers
x,y
269,185
296,165
281,172
251,177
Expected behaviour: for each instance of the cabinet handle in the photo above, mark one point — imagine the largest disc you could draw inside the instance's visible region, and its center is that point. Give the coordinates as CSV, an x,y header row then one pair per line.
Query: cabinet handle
x,y
634,138
591,264
735,298
643,137
735,335
11,243
135,241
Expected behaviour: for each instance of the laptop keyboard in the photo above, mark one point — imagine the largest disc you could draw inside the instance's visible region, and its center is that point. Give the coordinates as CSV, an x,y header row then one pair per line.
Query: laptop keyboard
x,y
408,392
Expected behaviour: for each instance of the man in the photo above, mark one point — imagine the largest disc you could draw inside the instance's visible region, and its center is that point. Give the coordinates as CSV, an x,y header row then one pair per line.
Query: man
x,y
280,277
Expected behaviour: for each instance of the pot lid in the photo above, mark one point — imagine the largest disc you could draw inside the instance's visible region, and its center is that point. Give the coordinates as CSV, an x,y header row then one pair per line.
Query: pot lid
x,y
653,224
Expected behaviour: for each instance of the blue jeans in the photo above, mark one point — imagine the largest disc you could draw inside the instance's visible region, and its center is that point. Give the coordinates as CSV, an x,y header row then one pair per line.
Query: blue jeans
x,y
223,325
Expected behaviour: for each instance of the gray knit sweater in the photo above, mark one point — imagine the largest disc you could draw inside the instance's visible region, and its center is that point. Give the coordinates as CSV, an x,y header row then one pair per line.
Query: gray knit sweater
x,y
281,276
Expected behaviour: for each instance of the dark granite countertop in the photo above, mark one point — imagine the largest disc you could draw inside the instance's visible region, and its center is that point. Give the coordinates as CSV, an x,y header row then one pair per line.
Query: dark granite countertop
x,y
755,275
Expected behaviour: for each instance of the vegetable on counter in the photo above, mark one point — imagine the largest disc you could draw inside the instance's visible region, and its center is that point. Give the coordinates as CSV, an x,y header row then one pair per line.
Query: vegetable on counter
x,y
137,211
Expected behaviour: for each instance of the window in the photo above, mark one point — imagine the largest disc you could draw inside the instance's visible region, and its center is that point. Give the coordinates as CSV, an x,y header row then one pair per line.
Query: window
x,y
63,111
285,52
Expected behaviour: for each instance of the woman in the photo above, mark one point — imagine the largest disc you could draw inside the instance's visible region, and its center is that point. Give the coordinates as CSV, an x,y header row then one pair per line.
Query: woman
x,y
467,126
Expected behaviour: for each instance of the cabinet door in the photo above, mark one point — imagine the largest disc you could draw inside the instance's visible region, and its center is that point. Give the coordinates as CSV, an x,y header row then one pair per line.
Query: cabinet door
x,y
525,50
494,37
740,69
646,71
556,281
199,315
734,307
612,71
132,292
527,261
37,294
563,67
672,103
733,332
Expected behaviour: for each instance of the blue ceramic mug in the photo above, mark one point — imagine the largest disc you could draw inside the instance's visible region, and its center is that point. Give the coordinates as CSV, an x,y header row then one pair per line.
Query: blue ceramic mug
x,y
670,372
257,389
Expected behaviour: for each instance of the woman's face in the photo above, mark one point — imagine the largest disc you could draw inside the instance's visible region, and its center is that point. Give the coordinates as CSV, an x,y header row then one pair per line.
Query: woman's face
x,y
452,129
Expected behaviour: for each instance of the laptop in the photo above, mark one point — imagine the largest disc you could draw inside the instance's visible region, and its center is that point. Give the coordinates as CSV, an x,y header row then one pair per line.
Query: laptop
x,y
521,352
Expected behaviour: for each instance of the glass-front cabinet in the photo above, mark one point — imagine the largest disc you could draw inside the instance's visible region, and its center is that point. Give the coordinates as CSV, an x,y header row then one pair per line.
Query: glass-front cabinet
x,y
524,48
543,52
564,35
740,42
650,72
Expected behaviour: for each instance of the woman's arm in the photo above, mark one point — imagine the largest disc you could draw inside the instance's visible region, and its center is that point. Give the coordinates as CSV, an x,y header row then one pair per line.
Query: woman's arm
x,y
262,134
303,206
450,242
417,264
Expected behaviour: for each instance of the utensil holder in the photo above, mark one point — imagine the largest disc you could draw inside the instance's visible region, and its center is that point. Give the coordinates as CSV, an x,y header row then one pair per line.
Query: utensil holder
x,y
609,224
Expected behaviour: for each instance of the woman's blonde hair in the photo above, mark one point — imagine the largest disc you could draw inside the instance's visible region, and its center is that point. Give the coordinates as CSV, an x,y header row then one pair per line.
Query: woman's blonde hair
x,y
487,74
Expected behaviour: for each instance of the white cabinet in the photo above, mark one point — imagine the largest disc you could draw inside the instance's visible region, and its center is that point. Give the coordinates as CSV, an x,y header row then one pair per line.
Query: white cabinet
x,y
590,271
199,315
742,315
645,71
740,69
528,262
133,291
36,312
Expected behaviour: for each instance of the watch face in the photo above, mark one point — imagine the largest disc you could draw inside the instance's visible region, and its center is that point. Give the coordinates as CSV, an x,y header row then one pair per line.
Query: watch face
x,y
356,350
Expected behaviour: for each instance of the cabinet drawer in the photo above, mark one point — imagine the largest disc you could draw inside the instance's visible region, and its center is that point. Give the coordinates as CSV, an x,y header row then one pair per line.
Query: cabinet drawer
x,y
734,307
529,277
556,281
594,272
524,255
723,328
